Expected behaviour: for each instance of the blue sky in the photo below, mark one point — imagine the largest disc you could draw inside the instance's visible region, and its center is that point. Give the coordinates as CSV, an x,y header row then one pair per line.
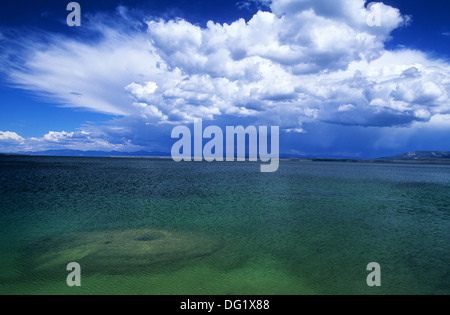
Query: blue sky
x,y
336,86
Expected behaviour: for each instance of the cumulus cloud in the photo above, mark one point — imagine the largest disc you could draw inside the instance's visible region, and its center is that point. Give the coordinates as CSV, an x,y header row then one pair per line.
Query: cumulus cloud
x,y
301,62
53,136
8,136
294,130
303,36
53,140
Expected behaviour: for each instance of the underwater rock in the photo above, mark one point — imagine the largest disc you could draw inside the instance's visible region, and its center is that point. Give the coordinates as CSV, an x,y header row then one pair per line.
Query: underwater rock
x,y
121,251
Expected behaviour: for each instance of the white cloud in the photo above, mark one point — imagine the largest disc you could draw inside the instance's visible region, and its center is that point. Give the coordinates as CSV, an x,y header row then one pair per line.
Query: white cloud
x,y
306,61
300,34
294,130
346,108
53,136
88,75
10,136
141,91
80,140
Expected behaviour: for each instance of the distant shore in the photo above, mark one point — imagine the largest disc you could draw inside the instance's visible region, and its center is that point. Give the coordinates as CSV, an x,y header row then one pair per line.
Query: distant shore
x,y
438,161
386,161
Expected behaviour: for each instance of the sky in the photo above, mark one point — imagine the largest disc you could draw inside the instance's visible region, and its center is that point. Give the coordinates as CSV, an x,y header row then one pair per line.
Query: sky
x,y
336,84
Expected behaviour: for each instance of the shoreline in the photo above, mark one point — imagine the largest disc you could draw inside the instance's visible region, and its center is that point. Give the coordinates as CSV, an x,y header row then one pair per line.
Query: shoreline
x,y
299,159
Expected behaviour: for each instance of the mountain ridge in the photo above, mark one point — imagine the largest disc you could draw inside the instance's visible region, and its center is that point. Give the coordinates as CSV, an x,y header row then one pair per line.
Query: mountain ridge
x,y
420,155
414,155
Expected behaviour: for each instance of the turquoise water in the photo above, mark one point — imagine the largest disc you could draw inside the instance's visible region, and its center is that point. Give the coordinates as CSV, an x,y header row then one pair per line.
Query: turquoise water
x,y
142,226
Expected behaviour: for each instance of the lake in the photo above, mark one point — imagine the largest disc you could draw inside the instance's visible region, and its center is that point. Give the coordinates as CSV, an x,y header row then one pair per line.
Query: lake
x,y
149,226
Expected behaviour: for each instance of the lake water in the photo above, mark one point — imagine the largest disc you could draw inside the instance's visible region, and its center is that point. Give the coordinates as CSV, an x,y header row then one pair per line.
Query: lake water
x,y
146,226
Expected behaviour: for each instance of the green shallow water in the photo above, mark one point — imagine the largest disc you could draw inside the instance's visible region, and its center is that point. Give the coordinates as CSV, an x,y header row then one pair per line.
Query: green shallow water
x,y
140,226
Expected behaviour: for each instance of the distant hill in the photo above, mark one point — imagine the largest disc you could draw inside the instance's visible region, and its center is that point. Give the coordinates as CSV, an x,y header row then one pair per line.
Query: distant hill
x,y
95,153
410,157
75,153
420,155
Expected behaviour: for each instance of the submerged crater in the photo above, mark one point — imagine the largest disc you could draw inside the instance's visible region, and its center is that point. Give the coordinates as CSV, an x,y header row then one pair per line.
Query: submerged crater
x,y
150,237
122,251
